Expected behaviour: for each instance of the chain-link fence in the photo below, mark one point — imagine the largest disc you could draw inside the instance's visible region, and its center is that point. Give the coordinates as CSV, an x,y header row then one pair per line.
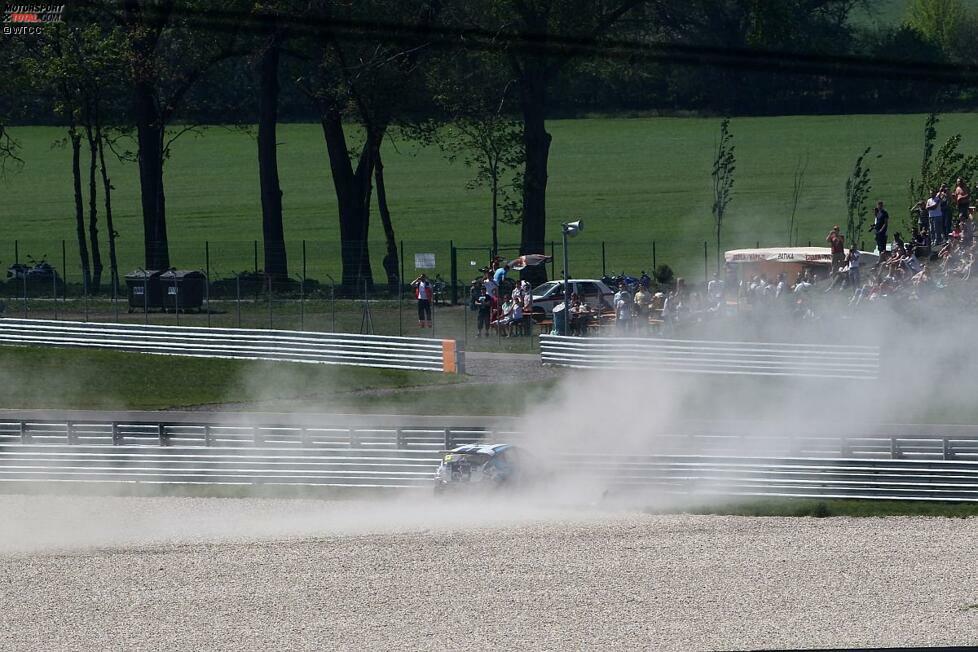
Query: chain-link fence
x,y
316,286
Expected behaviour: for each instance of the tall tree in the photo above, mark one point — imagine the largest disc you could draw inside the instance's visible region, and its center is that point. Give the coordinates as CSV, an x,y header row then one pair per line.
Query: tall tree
x,y
545,23
168,54
375,83
859,185
724,164
269,55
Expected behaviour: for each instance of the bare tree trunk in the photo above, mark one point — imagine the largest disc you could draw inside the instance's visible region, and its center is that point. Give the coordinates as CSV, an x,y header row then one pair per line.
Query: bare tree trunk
x,y
93,210
75,139
149,135
273,232
107,191
391,264
533,86
353,189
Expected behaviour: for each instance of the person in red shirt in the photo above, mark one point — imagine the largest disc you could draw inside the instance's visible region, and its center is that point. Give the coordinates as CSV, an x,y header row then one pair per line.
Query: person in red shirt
x,y
837,243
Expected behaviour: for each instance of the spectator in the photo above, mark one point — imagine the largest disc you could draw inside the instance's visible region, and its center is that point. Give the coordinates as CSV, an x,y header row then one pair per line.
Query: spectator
x,y
527,307
853,261
483,304
643,299
500,275
645,281
945,197
492,288
623,307
837,243
933,206
422,292
880,223
962,198
967,230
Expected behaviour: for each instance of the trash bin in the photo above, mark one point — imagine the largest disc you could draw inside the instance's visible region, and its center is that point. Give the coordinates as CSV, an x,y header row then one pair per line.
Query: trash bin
x,y
182,289
143,288
560,316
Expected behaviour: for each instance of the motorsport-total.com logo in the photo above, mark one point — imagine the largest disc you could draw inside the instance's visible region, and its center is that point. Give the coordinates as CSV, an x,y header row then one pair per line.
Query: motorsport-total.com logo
x,y
30,18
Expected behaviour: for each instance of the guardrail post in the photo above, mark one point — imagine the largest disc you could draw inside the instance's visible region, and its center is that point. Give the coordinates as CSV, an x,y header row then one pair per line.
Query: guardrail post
x,y
844,449
894,448
400,438
116,437
70,432
304,437
354,440
448,439
161,433
207,434
24,437
256,435
948,451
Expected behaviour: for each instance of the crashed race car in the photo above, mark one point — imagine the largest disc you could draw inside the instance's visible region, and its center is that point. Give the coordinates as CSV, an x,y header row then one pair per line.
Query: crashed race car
x,y
485,466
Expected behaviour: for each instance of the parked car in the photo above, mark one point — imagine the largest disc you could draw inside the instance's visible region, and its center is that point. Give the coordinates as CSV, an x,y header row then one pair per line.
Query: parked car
x,y
488,467
592,291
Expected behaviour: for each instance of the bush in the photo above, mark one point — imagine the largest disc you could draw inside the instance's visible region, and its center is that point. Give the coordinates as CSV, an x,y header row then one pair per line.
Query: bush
x,y
663,274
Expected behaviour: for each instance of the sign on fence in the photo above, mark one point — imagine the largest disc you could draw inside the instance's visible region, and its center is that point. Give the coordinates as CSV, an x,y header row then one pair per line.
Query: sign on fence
x,y
424,261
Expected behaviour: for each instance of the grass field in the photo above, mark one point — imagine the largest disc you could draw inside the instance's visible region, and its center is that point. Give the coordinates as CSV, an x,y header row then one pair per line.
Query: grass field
x,y
632,181
92,380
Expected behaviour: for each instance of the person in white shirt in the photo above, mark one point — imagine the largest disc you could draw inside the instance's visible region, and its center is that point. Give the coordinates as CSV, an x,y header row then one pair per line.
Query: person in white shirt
x,y
422,292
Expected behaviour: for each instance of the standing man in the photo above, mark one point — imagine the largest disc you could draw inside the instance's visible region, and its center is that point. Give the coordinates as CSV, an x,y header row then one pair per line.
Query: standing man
x,y
880,223
945,198
933,206
837,243
853,267
962,198
422,292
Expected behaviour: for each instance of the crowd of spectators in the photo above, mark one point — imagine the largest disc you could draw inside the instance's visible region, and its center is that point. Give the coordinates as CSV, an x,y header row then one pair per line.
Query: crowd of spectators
x,y
501,303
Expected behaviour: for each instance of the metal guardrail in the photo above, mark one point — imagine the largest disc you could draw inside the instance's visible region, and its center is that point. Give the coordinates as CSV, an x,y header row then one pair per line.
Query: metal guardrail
x,y
931,463
291,346
712,357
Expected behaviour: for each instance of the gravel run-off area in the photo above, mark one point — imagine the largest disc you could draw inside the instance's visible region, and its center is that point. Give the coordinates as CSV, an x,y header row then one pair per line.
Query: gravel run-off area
x,y
85,573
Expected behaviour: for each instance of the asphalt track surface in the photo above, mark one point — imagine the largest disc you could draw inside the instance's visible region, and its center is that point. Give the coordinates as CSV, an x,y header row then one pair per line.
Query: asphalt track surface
x,y
244,574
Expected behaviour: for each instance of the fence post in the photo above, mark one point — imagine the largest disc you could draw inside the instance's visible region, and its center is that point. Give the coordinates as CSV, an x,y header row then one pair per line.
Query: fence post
x,y
302,291
706,261
116,439
237,279
54,294
16,252
269,277
653,257
207,280
451,245
256,258
24,438
448,439
64,272
553,260
25,295
603,271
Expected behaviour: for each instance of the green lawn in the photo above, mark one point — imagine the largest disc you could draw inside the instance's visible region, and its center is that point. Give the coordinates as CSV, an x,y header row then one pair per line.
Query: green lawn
x,y
72,379
76,379
632,181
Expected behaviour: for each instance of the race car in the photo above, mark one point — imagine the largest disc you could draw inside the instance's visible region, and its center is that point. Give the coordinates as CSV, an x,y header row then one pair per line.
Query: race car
x,y
484,466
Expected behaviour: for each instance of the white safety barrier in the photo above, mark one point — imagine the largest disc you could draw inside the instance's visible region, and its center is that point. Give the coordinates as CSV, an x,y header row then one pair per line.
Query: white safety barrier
x,y
712,357
290,346
886,461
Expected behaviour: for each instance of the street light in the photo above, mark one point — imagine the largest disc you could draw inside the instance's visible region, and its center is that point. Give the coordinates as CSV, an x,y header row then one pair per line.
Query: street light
x,y
568,229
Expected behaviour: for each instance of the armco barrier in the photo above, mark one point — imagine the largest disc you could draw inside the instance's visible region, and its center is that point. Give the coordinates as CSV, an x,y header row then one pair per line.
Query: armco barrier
x,y
292,346
914,462
712,357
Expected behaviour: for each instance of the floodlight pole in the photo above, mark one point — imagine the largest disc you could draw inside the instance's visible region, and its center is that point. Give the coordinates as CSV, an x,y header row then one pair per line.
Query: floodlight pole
x,y
563,232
